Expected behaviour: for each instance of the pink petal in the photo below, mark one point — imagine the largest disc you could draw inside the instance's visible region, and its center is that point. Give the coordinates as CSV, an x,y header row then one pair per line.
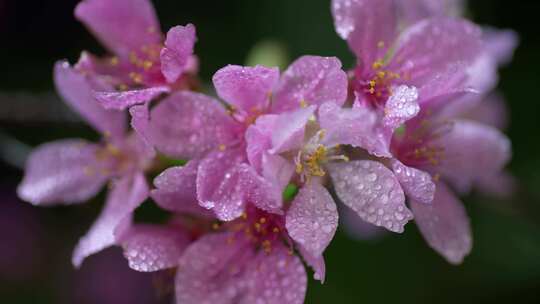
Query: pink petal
x,y
176,190
356,126
246,88
428,47
265,193
471,150
311,80
372,191
315,262
275,278
151,248
176,54
501,44
187,125
400,107
259,139
218,184
369,26
277,170
140,122
64,171
125,196
121,25
312,219
208,272
77,89
417,184
289,129
444,225
126,99
492,111
416,10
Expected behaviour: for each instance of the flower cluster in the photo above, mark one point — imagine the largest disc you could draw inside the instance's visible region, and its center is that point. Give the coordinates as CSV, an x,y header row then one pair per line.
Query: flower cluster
x,y
395,138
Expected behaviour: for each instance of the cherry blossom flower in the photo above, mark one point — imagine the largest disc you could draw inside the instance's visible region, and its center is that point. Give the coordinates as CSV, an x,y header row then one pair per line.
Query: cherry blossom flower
x,y
71,171
216,138
246,260
143,65
425,145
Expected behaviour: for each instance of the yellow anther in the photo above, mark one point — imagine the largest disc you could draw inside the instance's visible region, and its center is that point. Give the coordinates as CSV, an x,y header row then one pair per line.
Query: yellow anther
x,y
381,74
372,83
314,161
372,90
303,104
299,168
215,226
114,61
136,77
257,227
113,150
123,87
147,64
244,215
377,64
262,220
275,230
222,147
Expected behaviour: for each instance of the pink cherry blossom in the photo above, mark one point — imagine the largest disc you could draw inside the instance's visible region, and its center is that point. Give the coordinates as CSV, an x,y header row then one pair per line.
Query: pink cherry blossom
x,y
72,171
216,137
143,64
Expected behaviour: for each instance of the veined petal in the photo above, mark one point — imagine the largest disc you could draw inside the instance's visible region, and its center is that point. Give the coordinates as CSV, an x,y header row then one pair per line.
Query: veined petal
x,y
373,192
210,268
400,107
289,129
277,170
311,80
125,196
471,150
417,184
175,56
357,126
369,26
259,139
429,46
415,10
151,248
218,184
176,190
65,171
187,125
246,88
121,25
312,219
275,278
123,100
444,225
78,89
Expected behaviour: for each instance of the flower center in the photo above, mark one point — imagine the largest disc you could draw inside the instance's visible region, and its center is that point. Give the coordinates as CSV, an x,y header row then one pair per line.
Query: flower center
x,y
260,228
376,83
311,159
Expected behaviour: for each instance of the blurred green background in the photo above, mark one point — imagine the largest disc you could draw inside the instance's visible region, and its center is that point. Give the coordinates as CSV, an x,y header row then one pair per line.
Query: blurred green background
x,y
36,243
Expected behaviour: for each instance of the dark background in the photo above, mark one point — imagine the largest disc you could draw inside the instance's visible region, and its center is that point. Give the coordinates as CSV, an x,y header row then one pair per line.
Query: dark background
x,y
36,243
